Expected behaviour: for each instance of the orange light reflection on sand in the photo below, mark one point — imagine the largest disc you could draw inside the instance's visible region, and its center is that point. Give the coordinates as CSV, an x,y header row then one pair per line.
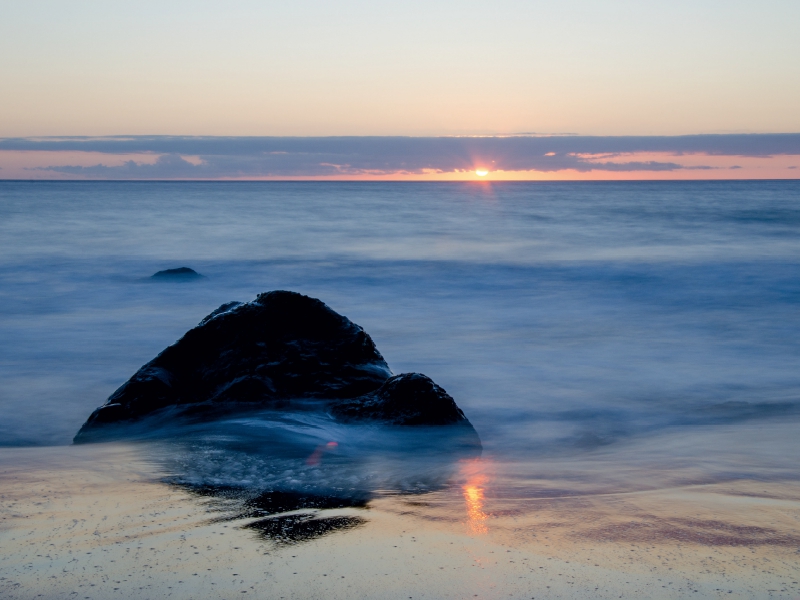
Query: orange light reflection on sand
x,y
473,496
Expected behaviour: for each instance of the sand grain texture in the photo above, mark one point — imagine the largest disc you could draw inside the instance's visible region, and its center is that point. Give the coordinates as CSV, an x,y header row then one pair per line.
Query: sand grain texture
x,y
95,523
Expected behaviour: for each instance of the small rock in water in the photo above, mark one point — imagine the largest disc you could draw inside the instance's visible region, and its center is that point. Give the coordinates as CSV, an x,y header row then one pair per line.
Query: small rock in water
x,y
179,274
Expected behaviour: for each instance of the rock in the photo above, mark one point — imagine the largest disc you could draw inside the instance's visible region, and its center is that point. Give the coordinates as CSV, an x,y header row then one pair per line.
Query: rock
x,y
179,274
407,399
279,348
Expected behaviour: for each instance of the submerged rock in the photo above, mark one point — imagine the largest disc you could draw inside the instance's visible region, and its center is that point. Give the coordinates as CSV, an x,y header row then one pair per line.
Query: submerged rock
x,y
179,274
280,348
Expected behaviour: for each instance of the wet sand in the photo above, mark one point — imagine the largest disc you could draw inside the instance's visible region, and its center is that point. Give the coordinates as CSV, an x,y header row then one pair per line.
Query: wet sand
x,y
96,522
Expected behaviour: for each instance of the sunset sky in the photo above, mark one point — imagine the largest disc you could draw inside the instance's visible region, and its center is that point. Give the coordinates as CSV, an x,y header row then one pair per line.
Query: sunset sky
x,y
521,89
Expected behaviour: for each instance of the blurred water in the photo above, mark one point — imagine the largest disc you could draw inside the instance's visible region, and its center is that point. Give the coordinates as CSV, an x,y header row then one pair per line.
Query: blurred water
x,y
566,319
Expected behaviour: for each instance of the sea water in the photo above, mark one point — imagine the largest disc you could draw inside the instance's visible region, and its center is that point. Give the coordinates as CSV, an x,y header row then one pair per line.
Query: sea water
x,y
610,334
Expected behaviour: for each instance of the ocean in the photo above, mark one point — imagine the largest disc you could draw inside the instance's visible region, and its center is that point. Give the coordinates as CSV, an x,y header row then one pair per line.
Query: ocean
x,y
602,337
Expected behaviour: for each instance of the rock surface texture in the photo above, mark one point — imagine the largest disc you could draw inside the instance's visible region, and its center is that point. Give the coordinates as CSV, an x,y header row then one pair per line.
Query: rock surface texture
x,y
407,399
281,347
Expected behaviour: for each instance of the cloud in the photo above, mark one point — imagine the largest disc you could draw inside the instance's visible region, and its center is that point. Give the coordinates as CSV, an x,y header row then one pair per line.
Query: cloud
x,y
242,157
729,144
167,166
328,165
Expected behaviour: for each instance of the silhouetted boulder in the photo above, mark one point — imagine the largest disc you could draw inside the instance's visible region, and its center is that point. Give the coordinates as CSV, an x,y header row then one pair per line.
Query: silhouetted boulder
x,y
281,347
179,274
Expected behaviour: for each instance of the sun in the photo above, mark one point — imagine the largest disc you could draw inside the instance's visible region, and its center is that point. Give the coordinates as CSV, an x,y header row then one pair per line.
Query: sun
x,y
481,172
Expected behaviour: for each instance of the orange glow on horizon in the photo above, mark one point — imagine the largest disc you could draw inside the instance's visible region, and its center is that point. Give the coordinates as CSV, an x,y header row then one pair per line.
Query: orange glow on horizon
x,y
34,164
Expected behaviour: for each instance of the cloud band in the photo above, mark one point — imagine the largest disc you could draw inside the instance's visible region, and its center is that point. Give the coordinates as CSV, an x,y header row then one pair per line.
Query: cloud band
x,y
192,157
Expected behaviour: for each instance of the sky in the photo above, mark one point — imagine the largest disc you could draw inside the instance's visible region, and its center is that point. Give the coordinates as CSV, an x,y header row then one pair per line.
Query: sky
x,y
415,77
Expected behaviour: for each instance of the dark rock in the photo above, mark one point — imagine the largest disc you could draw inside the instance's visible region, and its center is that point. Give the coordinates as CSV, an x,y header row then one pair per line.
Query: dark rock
x,y
407,399
279,348
179,274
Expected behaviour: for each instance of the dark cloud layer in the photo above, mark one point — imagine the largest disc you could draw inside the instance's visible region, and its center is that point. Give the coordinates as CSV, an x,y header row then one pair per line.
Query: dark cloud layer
x,y
329,156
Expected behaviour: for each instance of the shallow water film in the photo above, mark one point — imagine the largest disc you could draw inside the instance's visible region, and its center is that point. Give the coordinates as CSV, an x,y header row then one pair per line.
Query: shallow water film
x,y
627,352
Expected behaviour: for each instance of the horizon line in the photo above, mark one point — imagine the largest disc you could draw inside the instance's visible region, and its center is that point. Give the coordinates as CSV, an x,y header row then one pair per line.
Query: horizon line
x,y
425,181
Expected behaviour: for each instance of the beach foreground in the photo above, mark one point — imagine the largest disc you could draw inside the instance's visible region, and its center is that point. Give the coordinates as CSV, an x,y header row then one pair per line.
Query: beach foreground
x,y
96,522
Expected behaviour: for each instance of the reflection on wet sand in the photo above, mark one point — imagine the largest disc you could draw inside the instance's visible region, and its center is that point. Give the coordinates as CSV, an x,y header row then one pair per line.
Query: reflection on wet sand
x,y
473,495
303,527
280,517
280,478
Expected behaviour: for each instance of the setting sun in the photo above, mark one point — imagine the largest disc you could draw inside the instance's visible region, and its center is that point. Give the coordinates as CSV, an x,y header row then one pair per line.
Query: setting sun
x,y
481,172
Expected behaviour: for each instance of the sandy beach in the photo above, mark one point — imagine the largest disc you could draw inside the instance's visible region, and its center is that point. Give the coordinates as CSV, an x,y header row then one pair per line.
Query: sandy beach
x,y
95,522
